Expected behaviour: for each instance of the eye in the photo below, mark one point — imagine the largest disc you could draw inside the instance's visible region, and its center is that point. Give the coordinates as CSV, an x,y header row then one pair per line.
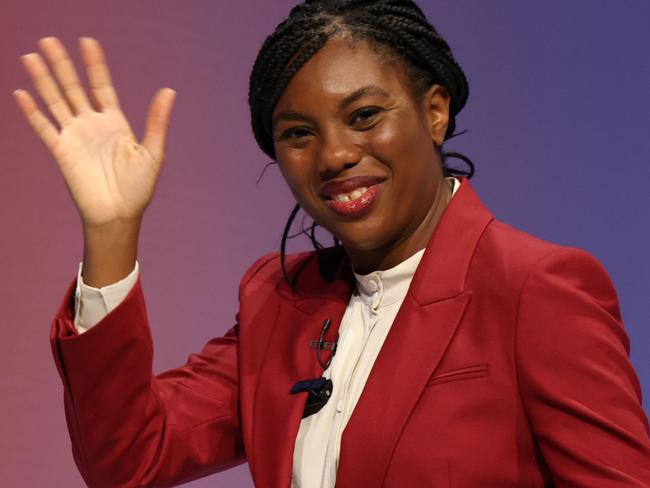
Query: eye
x,y
364,115
295,133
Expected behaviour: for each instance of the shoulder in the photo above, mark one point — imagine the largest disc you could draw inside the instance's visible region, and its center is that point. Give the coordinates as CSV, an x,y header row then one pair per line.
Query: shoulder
x,y
508,262
267,270
310,272
519,246
505,247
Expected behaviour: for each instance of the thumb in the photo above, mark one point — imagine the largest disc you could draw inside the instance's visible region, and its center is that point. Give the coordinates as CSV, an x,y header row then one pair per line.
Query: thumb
x,y
158,122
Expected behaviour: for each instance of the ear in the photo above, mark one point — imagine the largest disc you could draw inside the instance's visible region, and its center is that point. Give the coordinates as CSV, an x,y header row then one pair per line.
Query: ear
x,y
436,108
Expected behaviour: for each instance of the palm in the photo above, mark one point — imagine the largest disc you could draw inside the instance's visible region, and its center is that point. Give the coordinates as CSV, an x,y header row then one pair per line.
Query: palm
x,y
108,173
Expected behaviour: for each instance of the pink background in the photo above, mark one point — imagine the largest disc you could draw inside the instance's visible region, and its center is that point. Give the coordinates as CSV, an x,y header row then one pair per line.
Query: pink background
x,y
558,129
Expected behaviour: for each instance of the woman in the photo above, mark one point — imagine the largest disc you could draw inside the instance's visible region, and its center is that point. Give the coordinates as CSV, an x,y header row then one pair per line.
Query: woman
x,y
435,346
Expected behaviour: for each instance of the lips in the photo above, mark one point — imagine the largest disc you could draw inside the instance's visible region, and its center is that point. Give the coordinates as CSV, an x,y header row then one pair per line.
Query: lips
x,y
353,196
337,187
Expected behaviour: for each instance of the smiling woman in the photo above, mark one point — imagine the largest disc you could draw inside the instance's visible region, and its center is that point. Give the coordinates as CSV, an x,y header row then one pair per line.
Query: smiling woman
x,y
431,346
351,145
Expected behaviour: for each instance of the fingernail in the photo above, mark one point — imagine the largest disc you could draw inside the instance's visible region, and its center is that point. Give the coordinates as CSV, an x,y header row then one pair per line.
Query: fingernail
x,y
46,40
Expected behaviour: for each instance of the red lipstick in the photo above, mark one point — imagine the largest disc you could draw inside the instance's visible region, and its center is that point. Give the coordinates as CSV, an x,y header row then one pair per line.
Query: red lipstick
x,y
336,187
351,197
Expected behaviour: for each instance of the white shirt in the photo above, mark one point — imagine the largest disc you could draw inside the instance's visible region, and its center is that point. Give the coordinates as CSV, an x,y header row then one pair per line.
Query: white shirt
x,y
364,327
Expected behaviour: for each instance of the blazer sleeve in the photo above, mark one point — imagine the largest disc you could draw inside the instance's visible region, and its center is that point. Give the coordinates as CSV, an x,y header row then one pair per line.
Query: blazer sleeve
x,y
579,389
130,428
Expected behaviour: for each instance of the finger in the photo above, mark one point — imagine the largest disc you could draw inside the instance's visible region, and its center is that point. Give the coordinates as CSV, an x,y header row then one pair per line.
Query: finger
x,y
47,87
98,74
158,122
41,125
65,73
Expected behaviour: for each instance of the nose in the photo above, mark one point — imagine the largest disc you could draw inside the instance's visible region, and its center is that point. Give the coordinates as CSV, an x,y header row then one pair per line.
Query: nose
x,y
337,154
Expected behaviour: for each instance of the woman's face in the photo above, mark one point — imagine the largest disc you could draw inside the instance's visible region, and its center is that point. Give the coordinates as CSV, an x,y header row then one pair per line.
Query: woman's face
x,y
357,149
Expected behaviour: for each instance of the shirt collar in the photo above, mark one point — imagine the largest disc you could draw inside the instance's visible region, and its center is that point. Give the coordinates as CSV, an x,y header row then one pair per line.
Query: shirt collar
x,y
382,288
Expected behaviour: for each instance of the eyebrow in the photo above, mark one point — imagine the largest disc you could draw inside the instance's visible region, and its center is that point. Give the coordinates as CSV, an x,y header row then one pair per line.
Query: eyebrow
x,y
290,116
365,91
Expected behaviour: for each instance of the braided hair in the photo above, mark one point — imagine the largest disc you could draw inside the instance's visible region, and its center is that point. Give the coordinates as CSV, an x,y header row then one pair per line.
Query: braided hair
x,y
394,27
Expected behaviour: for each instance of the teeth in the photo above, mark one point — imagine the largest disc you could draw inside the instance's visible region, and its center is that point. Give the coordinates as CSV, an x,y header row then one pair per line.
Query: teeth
x,y
347,197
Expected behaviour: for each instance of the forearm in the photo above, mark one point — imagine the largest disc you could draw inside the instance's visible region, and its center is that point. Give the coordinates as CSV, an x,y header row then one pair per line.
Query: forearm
x,y
110,252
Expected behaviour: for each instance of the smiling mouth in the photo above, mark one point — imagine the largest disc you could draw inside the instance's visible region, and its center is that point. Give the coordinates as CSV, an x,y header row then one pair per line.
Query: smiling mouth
x,y
354,203
348,197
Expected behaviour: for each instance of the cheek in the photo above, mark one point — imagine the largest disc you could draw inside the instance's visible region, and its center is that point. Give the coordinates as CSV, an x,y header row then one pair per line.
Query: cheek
x,y
296,174
400,141
292,165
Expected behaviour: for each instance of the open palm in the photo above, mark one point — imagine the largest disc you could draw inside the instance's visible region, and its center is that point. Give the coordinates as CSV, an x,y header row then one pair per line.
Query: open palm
x,y
110,175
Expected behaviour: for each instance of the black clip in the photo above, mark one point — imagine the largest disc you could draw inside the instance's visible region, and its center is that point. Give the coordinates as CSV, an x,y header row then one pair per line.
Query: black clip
x,y
319,392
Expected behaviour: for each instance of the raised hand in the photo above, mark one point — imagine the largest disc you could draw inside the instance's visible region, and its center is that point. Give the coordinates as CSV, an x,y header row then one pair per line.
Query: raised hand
x,y
110,175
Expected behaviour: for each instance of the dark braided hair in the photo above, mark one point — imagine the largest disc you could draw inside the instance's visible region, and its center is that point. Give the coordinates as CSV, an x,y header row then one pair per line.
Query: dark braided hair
x,y
395,27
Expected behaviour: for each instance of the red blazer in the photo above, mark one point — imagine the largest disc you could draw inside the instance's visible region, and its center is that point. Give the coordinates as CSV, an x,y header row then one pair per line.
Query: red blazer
x,y
507,366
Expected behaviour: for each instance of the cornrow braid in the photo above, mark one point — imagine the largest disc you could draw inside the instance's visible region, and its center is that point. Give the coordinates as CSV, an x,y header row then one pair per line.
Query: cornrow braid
x,y
394,27
399,25
307,50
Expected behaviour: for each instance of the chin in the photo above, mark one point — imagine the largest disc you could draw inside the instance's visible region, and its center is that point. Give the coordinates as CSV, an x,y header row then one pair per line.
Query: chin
x,y
362,241
367,233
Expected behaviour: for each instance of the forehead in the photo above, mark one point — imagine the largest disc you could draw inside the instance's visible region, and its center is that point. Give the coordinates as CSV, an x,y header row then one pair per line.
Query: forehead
x,y
340,67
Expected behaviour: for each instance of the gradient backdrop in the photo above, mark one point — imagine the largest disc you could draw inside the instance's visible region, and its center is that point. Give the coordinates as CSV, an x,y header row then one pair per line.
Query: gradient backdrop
x,y
558,128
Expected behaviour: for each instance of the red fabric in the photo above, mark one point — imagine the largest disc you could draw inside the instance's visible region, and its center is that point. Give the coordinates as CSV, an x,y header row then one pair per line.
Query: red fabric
x,y
507,365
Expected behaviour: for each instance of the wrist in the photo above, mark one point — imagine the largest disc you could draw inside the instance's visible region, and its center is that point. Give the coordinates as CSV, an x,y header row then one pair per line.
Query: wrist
x,y
110,252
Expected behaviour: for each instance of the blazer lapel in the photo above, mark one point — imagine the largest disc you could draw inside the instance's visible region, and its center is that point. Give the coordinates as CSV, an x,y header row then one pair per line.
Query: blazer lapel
x,y
288,359
419,336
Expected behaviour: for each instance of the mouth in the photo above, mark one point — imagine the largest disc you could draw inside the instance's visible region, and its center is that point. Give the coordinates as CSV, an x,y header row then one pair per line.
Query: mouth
x,y
352,197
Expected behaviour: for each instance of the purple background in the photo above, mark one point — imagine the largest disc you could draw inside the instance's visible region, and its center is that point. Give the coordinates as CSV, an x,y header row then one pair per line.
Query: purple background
x,y
558,119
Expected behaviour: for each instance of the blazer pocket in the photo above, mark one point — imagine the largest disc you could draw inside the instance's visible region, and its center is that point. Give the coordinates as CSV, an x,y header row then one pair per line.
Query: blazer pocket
x,y
468,372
